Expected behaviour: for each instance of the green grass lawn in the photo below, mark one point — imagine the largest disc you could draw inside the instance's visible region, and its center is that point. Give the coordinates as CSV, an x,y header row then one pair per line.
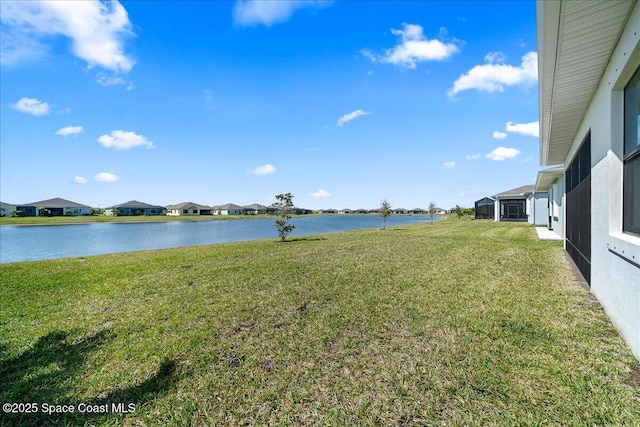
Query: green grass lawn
x,y
456,323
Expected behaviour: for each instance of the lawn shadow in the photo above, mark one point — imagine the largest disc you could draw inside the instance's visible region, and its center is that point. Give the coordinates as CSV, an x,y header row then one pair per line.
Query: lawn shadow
x,y
45,374
306,239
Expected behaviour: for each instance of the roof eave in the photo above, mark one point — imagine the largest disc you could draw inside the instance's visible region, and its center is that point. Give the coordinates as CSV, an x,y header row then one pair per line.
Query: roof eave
x,y
548,27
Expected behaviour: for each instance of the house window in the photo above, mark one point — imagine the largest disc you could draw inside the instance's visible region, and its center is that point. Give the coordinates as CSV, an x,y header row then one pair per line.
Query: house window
x,y
631,175
185,211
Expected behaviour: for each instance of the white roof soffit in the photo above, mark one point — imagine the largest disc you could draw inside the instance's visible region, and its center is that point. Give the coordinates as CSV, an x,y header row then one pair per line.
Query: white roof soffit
x,y
575,41
547,177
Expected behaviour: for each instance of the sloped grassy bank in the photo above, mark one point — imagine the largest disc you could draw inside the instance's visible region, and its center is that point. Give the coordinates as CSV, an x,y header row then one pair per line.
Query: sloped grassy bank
x,y
459,322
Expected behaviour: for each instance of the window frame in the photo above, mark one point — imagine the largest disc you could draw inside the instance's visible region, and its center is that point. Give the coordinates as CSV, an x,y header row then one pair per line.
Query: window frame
x,y
631,153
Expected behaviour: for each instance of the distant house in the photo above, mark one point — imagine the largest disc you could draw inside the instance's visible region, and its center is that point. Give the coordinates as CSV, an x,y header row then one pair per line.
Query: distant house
x,y
327,211
361,211
485,208
56,207
418,211
227,209
440,211
345,211
374,211
188,209
301,211
134,208
6,209
272,209
400,211
255,209
522,204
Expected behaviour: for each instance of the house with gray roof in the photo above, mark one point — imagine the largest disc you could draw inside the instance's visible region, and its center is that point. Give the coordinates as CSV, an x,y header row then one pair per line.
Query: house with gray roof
x,y
188,209
134,208
6,209
255,209
227,209
57,207
522,204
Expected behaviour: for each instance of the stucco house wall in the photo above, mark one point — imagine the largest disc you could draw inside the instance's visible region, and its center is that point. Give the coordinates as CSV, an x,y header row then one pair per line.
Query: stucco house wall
x,y
615,255
556,207
228,209
188,209
538,208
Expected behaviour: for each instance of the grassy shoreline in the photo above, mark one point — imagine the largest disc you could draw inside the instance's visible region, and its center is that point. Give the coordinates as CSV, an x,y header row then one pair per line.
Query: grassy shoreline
x,y
73,220
457,322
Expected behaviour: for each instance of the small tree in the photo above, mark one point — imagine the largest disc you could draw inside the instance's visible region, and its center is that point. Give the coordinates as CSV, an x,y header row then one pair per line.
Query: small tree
x,y
284,205
385,212
459,211
432,211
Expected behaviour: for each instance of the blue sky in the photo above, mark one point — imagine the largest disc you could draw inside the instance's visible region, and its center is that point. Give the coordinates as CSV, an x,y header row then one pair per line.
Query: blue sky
x,y
340,103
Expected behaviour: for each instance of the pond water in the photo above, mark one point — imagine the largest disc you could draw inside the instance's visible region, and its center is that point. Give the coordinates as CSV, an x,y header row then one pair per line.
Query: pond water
x,y
35,242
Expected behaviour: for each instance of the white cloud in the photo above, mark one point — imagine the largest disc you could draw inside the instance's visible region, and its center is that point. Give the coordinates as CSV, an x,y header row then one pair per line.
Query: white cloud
x,y
495,58
320,194
263,170
531,129
79,179
472,156
503,153
106,177
123,140
450,165
267,13
96,30
107,81
31,106
413,48
499,135
352,115
69,130
494,77
17,47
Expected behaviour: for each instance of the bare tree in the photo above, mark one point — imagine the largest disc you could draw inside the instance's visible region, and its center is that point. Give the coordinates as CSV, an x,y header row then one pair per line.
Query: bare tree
x,y
385,211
